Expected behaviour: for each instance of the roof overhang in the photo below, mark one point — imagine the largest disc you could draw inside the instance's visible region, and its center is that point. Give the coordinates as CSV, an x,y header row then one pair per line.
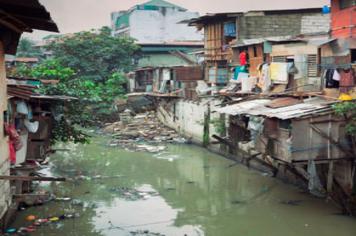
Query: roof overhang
x,y
18,16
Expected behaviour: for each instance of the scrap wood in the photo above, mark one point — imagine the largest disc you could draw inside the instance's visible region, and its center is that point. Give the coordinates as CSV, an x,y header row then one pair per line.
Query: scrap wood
x,y
224,141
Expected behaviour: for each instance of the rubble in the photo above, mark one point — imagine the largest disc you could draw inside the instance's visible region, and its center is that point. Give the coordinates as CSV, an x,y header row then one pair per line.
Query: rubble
x,y
142,133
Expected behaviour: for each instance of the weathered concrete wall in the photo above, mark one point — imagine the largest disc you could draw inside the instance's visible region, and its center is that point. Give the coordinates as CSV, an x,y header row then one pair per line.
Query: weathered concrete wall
x,y
5,197
259,26
162,26
315,23
343,20
187,117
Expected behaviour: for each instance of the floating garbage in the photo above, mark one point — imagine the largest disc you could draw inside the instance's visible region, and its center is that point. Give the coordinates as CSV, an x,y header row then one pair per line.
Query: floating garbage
x,y
11,230
63,199
146,233
38,223
131,194
31,218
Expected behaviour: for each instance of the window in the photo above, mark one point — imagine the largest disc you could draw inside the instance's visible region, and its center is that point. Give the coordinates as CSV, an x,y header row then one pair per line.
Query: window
x,y
347,3
353,55
279,59
285,124
312,65
255,51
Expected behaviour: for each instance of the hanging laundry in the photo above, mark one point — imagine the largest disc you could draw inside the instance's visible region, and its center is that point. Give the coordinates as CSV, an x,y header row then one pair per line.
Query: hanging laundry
x,y
279,72
264,79
347,79
330,82
12,153
14,136
238,70
336,76
243,58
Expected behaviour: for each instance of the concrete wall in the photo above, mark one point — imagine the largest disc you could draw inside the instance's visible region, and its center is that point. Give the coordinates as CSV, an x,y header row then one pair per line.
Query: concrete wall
x,y
162,26
259,26
5,197
343,21
187,117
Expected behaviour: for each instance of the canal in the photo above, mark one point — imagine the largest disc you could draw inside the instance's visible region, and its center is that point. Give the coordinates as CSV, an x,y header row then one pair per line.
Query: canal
x,y
184,190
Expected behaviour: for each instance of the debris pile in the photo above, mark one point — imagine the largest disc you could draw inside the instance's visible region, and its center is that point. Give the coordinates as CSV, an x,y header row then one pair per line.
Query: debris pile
x,y
142,132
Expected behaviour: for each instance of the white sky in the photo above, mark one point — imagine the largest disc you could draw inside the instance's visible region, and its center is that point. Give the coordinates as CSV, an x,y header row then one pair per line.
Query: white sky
x,y
77,15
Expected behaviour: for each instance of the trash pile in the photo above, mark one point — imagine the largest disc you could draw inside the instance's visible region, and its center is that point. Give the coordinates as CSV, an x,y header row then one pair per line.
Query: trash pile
x,y
142,132
131,194
35,223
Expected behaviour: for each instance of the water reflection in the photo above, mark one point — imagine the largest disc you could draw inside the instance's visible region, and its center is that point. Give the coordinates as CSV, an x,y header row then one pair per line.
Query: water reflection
x,y
199,194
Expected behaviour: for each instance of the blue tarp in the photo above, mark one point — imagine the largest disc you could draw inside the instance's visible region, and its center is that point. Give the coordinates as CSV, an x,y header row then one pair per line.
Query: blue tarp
x,y
230,29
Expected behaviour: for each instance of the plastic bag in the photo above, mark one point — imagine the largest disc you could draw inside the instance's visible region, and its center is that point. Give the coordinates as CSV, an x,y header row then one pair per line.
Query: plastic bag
x,y
32,127
22,108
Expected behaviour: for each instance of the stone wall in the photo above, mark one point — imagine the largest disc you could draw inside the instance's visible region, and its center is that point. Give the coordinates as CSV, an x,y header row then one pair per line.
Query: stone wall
x,y
5,197
259,26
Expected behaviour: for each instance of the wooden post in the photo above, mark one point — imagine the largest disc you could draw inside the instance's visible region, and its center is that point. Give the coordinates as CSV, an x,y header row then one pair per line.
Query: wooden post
x,y
330,180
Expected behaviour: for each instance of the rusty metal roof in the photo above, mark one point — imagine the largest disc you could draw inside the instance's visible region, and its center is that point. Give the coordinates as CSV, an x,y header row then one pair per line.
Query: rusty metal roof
x,y
27,15
259,108
18,16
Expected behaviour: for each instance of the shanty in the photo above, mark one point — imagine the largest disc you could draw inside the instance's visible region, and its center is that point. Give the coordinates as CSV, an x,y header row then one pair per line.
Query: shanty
x,y
163,118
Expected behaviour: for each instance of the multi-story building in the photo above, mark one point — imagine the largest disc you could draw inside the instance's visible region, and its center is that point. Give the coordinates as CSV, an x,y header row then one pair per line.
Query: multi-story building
x,y
156,21
223,31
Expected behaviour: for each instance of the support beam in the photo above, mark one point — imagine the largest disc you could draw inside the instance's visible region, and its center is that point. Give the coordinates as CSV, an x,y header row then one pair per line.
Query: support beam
x,y
31,178
337,144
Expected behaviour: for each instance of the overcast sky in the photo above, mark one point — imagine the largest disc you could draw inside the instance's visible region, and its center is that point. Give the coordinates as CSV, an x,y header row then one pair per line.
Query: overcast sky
x,y
77,15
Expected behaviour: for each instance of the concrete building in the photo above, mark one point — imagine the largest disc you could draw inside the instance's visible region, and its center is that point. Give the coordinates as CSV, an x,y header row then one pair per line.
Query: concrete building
x,y
225,30
17,16
343,18
156,21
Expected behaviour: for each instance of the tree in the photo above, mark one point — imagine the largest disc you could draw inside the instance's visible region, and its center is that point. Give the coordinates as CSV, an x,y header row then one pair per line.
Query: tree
x,y
99,62
90,66
347,110
27,48
95,55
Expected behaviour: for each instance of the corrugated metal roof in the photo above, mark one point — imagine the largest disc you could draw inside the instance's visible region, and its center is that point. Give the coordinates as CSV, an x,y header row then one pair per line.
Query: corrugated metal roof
x,y
259,108
276,39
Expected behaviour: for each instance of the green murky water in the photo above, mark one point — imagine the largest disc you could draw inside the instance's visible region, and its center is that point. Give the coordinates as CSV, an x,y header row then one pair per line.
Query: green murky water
x,y
198,195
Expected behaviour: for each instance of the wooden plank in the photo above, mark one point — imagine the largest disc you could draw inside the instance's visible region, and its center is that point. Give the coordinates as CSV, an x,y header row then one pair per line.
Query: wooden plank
x,y
337,144
31,178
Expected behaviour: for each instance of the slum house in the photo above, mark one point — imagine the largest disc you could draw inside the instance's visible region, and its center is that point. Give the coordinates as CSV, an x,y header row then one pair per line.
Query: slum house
x,y
32,117
175,81
303,137
221,45
16,17
219,32
338,56
278,64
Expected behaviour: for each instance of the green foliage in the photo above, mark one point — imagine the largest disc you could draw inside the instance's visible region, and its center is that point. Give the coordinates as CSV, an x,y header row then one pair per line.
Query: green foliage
x,y
206,134
219,125
348,111
26,48
96,55
90,66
